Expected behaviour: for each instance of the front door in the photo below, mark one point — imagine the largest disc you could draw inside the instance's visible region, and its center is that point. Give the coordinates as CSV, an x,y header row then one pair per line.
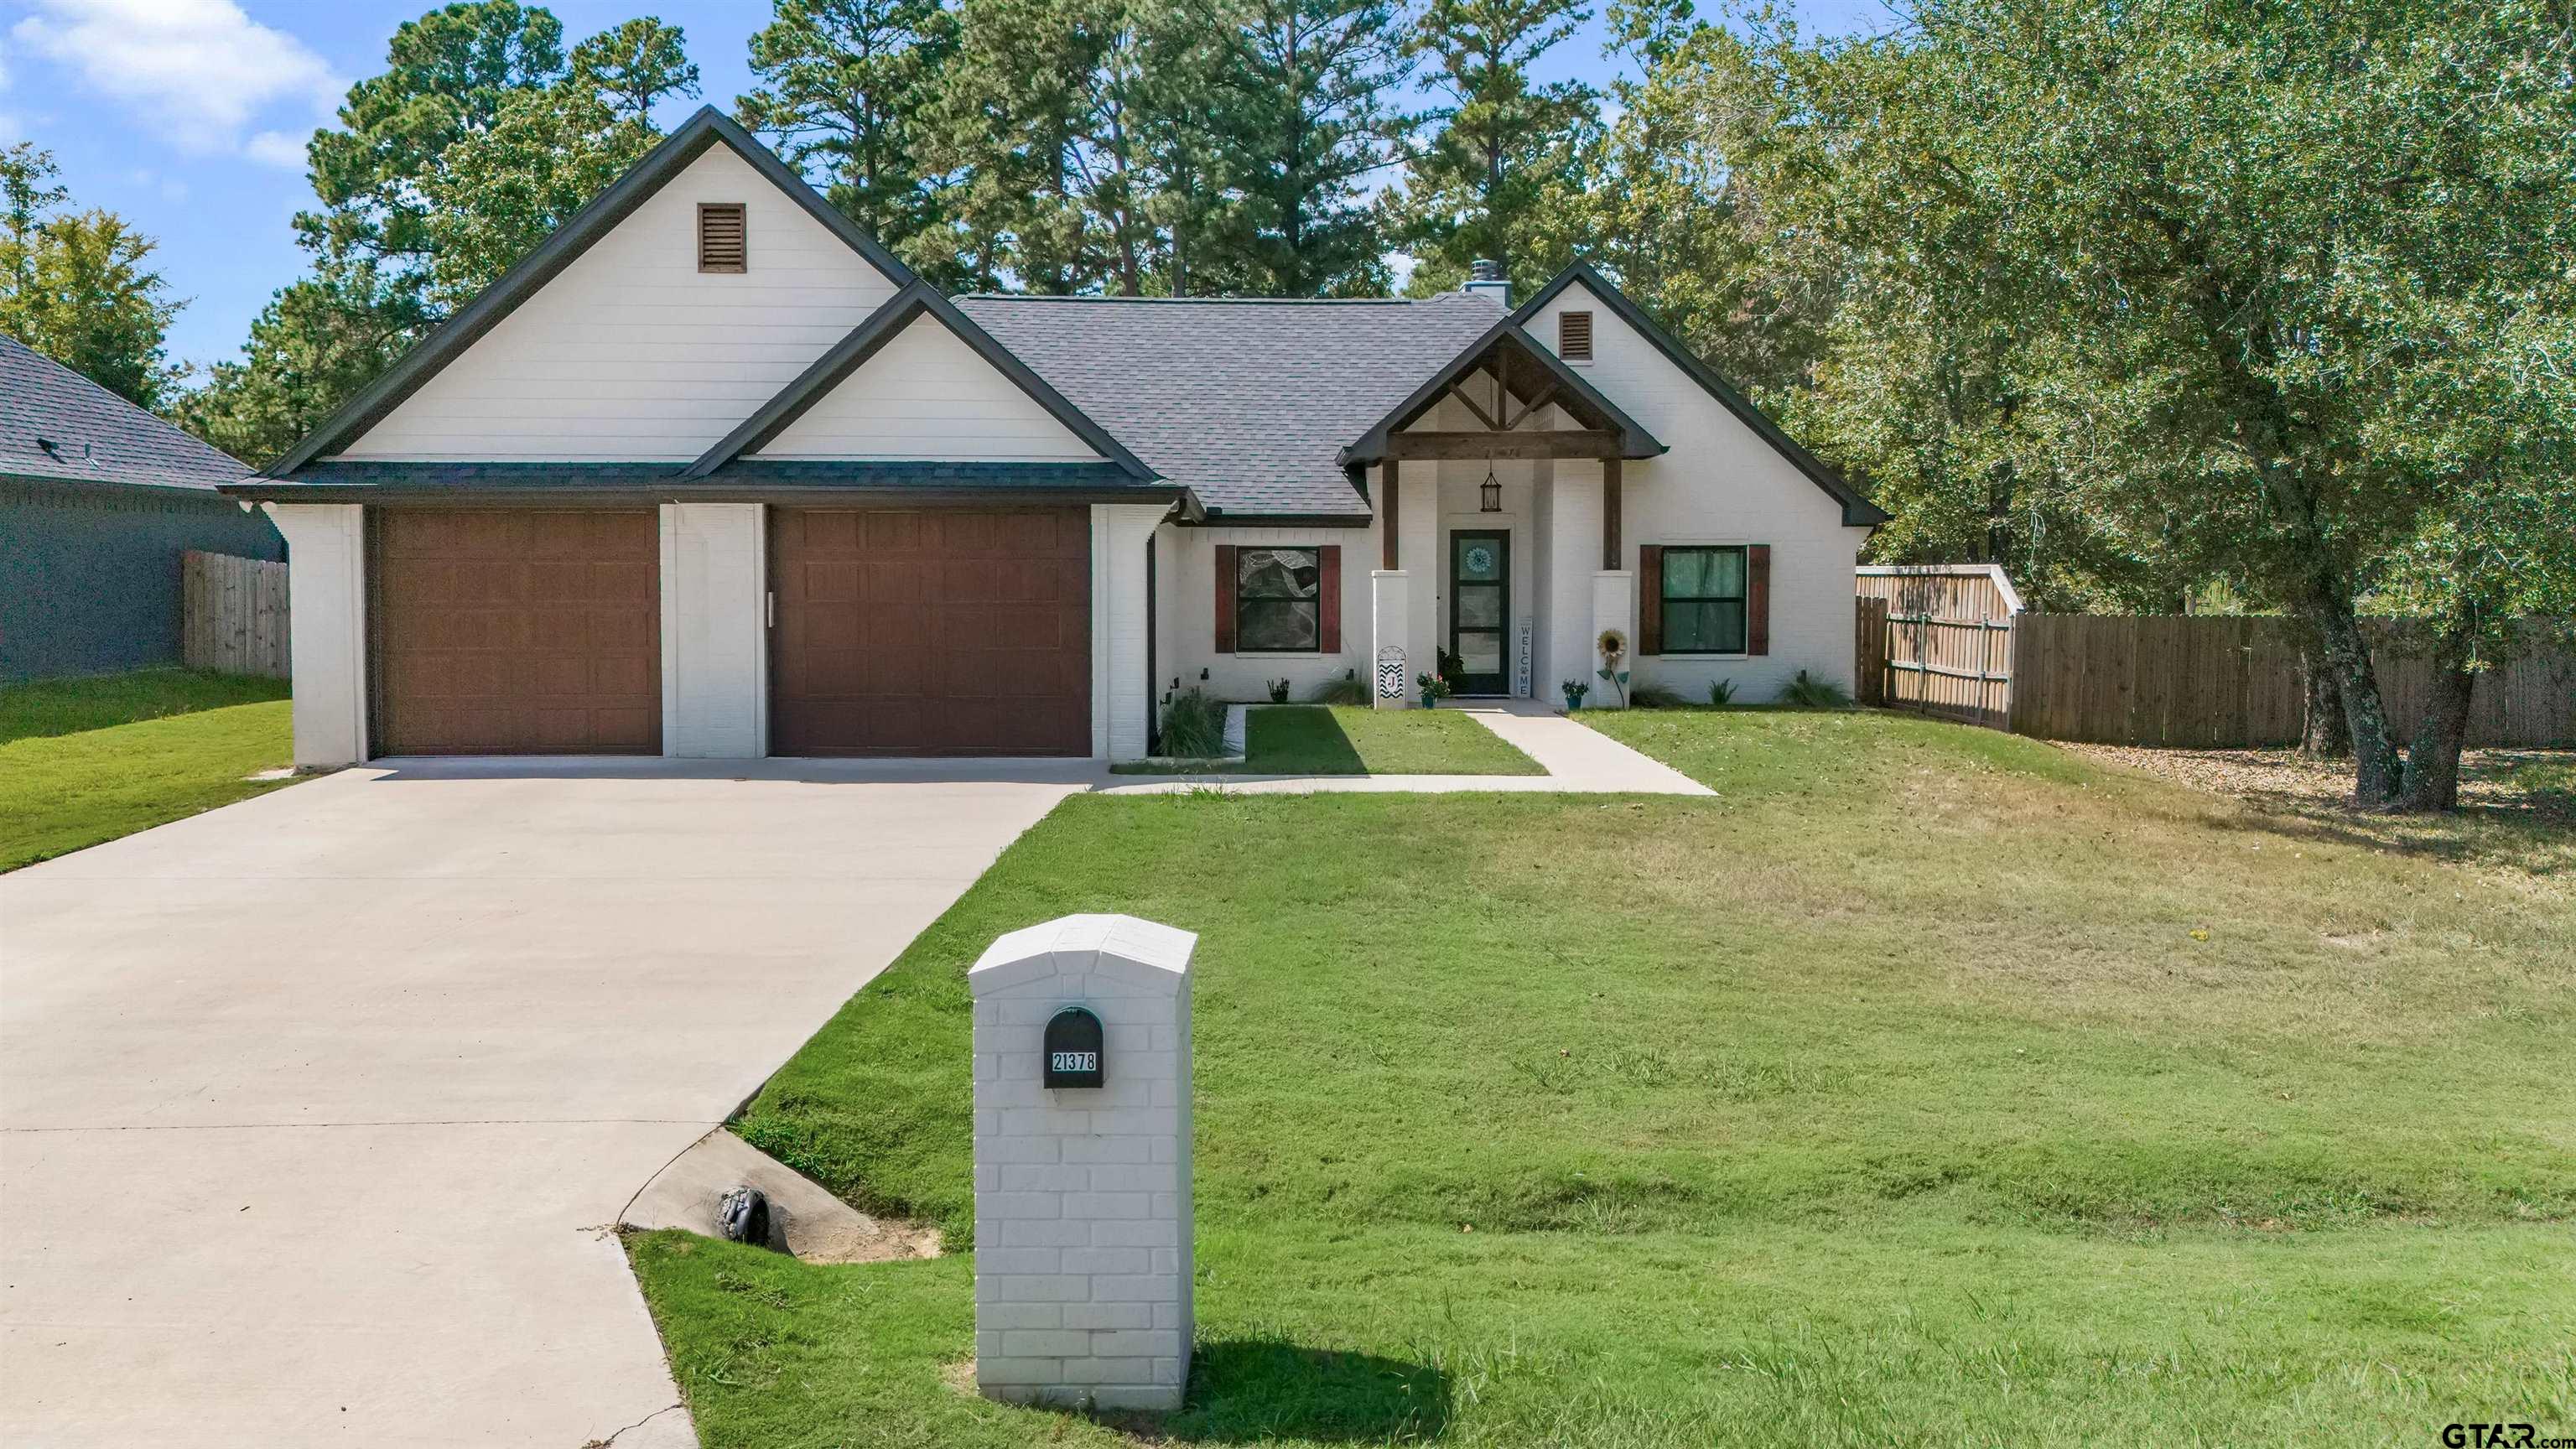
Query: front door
x,y
1480,610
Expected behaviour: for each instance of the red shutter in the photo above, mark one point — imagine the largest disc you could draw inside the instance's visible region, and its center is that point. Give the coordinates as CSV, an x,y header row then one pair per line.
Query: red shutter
x,y
1757,599
1650,598
1225,598
1328,596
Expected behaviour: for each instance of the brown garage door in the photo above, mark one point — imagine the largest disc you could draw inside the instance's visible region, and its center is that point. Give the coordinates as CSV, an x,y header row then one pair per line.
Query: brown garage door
x,y
517,631
931,632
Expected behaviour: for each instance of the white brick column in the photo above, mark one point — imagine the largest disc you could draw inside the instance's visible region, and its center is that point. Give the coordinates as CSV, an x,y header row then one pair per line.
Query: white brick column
x,y
1122,698
1082,1194
1390,612
1614,606
326,587
715,631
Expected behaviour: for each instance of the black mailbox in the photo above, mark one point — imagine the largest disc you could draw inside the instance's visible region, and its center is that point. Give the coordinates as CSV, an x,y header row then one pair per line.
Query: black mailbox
x,y
1073,1053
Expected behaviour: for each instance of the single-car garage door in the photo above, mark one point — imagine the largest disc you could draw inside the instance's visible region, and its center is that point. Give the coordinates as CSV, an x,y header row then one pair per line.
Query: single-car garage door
x,y
516,631
931,632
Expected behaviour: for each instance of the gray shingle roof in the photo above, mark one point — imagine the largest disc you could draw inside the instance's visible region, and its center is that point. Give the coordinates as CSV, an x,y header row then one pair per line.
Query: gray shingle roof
x,y
97,436
1248,403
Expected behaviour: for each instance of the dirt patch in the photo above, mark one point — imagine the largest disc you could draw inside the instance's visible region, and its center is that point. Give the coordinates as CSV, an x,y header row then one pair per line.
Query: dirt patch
x,y
2540,784
2516,822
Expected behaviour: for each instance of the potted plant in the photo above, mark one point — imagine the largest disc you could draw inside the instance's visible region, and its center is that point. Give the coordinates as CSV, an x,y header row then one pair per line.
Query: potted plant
x,y
1574,689
1434,689
1279,691
1614,647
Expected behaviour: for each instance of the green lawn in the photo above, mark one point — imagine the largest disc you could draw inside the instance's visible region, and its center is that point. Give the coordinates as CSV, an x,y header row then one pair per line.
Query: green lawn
x,y
87,760
1926,1086
1316,739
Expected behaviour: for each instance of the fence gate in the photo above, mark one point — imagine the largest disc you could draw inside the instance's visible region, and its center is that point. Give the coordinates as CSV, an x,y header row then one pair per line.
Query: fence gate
x,y
1948,639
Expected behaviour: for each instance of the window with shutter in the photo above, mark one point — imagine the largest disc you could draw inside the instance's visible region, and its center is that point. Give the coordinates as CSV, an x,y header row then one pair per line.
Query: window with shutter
x,y
1701,600
722,245
1574,336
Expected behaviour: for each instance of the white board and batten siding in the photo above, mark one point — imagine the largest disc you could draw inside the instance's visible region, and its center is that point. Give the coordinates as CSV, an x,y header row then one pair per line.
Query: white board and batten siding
x,y
1719,484
927,395
631,353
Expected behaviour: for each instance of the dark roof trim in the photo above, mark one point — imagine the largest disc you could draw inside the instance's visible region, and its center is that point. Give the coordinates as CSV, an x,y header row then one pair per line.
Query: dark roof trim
x,y
814,495
1634,440
1219,518
870,336
125,487
648,176
1858,511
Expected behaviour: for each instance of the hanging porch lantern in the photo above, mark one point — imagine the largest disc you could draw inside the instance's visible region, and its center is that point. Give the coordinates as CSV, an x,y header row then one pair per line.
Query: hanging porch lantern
x,y
1489,494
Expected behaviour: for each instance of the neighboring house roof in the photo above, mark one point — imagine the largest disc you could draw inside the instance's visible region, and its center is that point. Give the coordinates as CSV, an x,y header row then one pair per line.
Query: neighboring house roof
x,y
1497,349
1247,403
1858,511
709,127
864,341
96,436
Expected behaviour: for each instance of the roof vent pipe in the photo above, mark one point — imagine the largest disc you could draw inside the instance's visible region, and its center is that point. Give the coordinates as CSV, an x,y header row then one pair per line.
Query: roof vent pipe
x,y
1485,279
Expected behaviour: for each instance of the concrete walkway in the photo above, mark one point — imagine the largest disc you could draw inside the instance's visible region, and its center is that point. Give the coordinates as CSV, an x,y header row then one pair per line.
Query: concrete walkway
x,y
1578,760
314,1109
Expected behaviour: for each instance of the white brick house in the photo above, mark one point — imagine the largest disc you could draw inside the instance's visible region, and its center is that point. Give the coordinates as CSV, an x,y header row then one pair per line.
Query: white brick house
x,y
712,474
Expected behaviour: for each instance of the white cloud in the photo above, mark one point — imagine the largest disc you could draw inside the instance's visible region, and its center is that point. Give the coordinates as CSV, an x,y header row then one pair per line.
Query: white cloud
x,y
276,148
199,68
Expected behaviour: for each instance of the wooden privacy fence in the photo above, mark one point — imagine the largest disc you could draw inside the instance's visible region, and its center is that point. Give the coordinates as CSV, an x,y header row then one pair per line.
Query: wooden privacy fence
x,y
1945,640
233,614
2224,683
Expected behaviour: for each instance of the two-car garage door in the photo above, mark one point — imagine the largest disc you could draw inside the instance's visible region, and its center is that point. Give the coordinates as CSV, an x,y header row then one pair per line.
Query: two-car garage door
x,y
896,632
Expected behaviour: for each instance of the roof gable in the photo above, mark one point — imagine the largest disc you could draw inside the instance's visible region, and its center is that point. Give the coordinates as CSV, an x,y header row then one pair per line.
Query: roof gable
x,y
1858,511
775,430
1515,350
695,139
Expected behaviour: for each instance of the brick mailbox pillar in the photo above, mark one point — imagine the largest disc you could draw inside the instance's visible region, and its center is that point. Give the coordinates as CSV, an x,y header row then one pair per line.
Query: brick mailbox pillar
x,y
1082,1164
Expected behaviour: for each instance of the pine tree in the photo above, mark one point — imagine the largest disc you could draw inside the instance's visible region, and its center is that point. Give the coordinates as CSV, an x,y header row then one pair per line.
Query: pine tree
x,y
1304,111
843,87
1504,144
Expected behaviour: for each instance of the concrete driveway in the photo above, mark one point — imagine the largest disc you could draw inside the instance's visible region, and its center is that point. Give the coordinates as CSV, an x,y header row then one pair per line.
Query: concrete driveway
x,y
315,1107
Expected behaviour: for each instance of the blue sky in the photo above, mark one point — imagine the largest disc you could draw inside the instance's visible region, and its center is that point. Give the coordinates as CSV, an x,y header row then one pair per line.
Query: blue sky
x,y
188,117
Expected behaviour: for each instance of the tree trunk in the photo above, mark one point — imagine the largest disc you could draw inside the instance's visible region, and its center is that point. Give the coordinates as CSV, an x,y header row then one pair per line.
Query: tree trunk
x,y
2325,733
2433,761
2347,660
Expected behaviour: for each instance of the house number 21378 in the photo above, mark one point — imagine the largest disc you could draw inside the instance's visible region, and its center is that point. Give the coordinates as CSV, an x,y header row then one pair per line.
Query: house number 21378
x,y
1074,1062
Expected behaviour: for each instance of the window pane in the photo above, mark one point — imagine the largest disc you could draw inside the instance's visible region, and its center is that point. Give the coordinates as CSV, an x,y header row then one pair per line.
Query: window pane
x,y
1726,625
1683,628
1704,628
1725,573
1683,570
1480,607
1480,653
1275,573
1264,624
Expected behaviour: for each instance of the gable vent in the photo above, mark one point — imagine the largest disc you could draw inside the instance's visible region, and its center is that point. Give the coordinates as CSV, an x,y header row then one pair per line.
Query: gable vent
x,y
721,244
1574,336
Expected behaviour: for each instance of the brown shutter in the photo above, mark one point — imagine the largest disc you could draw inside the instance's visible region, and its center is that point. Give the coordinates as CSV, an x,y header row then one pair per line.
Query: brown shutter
x,y
1225,598
1328,596
1757,599
1650,599
721,237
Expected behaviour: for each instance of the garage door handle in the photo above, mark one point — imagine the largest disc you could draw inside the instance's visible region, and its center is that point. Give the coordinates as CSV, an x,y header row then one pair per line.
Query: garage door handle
x,y
771,617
